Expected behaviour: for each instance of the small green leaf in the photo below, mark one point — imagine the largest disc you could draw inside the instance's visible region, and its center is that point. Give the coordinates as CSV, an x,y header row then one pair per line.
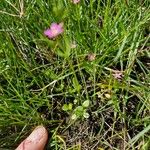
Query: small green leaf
x,y
76,84
86,115
49,73
65,107
60,88
86,103
79,108
79,111
60,53
74,117
70,106
108,96
67,47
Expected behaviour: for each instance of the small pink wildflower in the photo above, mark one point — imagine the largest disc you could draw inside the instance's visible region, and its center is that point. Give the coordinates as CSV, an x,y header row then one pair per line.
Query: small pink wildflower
x,y
117,74
54,30
75,1
91,56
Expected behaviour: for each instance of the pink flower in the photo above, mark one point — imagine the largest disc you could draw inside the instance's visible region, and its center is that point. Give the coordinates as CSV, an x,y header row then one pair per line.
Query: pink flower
x,y
54,30
91,56
117,74
75,1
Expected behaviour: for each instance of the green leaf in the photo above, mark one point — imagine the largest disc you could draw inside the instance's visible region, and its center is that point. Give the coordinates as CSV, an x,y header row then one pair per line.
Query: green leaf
x,y
79,111
86,103
74,117
60,53
121,48
86,115
76,84
65,107
67,47
50,73
70,106
58,8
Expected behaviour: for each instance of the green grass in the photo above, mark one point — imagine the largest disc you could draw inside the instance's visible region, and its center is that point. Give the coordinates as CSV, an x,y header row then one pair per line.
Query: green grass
x,y
38,76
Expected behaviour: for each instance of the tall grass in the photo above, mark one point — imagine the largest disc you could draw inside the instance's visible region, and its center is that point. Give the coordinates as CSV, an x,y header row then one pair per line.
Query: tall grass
x,y
38,76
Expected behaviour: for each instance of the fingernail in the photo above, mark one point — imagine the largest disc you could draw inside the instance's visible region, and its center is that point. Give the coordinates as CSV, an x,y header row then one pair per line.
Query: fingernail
x,y
37,134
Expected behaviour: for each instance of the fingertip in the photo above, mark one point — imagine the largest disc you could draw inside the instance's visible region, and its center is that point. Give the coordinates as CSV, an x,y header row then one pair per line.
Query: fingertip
x,y
36,140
